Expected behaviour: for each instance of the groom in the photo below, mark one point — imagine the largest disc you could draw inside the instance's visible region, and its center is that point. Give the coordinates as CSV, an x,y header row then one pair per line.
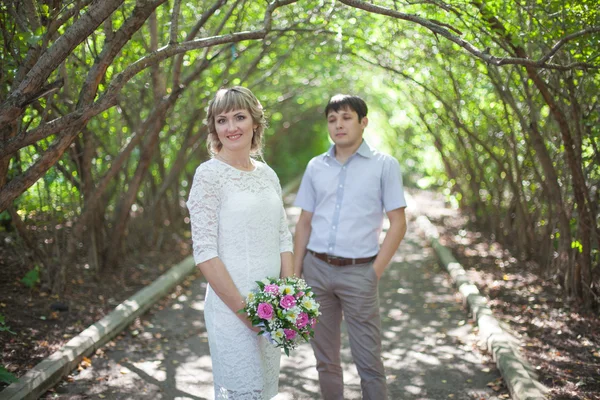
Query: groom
x,y
343,195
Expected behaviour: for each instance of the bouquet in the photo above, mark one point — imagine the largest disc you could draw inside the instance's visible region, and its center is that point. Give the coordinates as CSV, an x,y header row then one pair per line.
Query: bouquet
x,y
285,309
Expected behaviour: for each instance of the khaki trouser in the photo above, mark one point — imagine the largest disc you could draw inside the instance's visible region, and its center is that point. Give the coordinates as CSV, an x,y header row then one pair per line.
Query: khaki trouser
x,y
352,290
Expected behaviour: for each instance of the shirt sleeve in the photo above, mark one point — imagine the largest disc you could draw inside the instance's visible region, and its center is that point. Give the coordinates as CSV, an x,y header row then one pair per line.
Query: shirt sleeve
x,y
306,197
391,185
204,203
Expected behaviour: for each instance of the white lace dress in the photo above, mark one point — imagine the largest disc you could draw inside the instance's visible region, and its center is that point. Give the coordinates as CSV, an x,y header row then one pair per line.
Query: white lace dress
x,y
239,217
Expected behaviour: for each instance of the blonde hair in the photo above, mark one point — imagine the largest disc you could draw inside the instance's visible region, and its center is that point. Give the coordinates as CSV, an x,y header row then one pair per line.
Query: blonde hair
x,y
230,99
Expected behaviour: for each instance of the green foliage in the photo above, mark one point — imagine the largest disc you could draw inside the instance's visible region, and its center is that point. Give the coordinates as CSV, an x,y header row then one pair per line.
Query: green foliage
x,y
3,326
454,123
7,377
32,277
4,218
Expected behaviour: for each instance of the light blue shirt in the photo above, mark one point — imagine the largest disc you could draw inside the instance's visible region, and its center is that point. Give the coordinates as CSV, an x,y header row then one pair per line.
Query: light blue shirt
x,y
348,200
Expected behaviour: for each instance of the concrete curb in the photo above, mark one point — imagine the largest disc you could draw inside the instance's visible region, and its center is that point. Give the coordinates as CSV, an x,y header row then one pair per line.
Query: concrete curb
x,y
518,374
51,370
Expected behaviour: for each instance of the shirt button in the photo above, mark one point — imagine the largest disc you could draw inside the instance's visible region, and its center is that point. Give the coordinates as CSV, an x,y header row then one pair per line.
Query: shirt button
x,y
341,186
330,248
337,206
334,227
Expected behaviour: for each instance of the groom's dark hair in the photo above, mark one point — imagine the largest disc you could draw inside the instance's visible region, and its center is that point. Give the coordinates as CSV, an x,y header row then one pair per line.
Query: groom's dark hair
x,y
343,101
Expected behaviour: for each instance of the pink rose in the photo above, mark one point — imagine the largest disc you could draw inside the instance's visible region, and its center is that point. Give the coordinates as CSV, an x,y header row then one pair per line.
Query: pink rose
x,y
288,301
302,320
290,334
313,322
299,294
272,289
265,311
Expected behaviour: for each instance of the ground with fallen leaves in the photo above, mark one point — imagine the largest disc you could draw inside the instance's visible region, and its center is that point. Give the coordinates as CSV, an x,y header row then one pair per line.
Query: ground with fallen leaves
x,y
42,323
562,343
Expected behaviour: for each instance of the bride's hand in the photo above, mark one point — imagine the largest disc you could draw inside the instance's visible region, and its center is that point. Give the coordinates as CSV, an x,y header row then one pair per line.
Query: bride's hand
x,y
248,323
246,320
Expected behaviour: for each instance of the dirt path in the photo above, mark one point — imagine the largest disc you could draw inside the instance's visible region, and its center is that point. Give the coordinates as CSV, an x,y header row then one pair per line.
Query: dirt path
x,y
429,346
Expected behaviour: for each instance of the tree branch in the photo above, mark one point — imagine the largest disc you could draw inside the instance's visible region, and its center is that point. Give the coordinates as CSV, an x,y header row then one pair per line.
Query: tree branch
x,y
73,122
435,27
174,29
108,98
566,39
98,11
46,90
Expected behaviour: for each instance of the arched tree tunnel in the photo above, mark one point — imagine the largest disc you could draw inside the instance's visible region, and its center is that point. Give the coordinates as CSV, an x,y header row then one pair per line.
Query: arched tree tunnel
x,y
493,103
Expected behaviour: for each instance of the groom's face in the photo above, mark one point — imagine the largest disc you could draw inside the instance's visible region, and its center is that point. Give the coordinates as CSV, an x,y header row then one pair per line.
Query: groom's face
x,y
344,127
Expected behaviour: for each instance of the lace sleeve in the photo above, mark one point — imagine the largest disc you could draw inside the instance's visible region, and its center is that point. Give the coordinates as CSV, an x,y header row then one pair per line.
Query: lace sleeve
x,y
285,237
203,204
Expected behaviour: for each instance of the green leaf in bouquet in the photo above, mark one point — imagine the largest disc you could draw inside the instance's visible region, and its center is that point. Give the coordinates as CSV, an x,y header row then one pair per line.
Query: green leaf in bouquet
x,y
260,284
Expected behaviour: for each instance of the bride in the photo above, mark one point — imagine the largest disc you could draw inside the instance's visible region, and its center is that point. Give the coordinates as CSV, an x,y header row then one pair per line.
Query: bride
x,y
240,236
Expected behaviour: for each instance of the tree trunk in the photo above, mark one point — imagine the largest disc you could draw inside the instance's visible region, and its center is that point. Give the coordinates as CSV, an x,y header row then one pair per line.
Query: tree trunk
x,y
579,185
582,271
115,245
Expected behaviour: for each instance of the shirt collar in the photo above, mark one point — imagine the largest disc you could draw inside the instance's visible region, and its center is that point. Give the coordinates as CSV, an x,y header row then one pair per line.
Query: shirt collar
x,y
364,150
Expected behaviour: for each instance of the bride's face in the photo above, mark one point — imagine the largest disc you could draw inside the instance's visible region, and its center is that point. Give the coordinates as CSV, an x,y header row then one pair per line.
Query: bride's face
x,y
235,129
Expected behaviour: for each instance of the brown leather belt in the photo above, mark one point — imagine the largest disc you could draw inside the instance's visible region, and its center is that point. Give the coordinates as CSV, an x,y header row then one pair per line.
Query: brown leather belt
x,y
341,261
